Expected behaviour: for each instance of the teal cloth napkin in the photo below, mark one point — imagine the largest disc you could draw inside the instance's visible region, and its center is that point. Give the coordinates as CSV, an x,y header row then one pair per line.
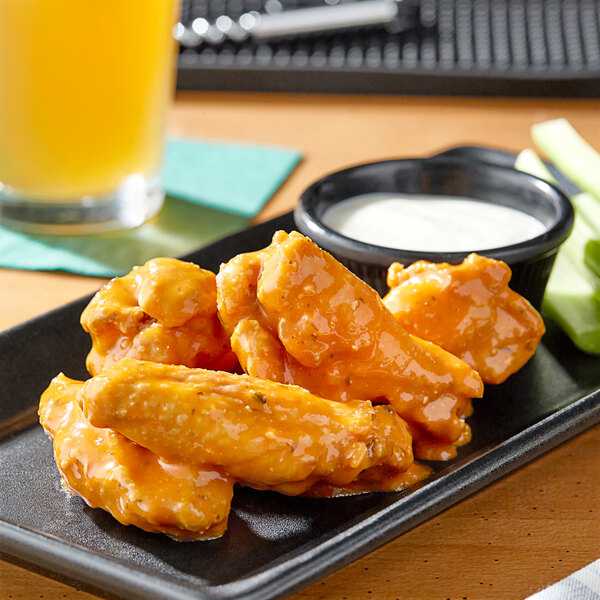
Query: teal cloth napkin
x,y
232,177
213,189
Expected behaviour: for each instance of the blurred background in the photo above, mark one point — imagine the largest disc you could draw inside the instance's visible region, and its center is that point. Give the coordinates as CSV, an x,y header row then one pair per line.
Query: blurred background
x,y
524,48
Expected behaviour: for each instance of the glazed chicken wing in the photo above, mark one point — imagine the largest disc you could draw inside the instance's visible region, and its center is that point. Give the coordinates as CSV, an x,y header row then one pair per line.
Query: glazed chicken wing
x,y
132,483
164,311
469,310
297,316
375,479
259,432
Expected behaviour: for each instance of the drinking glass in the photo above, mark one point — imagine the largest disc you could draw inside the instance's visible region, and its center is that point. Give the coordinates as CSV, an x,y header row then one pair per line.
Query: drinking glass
x,y
84,88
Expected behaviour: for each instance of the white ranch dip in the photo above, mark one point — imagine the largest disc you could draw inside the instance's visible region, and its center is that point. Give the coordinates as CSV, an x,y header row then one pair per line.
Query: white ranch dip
x,y
430,223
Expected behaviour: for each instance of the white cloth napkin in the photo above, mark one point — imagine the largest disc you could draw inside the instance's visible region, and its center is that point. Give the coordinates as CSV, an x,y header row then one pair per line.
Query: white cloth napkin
x,y
581,585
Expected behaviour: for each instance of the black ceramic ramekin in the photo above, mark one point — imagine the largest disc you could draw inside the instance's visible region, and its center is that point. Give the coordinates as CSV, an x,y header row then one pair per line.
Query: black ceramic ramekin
x,y
443,175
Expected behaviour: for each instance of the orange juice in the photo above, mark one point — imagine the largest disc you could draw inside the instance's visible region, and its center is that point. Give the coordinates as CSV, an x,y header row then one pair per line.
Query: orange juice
x,y
84,86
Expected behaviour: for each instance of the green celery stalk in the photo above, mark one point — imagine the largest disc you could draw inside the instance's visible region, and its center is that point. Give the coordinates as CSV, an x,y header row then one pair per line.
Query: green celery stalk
x,y
529,162
576,248
588,207
569,153
592,258
583,245
571,298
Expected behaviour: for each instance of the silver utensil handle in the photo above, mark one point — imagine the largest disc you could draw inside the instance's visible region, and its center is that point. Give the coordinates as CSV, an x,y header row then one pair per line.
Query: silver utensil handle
x,y
300,21
324,18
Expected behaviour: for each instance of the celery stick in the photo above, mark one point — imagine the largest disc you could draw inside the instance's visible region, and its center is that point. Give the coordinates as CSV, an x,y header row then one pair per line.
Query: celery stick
x,y
569,153
575,248
592,258
570,301
574,245
586,227
529,162
571,297
588,207
583,245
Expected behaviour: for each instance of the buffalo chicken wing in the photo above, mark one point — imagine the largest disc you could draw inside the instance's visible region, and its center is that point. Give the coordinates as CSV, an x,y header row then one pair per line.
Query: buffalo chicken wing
x,y
164,311
297,316
136,486
259,432
469,310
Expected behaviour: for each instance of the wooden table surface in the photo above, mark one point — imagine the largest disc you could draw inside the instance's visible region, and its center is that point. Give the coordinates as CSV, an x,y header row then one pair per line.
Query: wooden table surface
x,y
516,536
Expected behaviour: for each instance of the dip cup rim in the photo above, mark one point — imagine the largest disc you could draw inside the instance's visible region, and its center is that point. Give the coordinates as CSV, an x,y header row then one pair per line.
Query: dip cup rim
x,y
308,211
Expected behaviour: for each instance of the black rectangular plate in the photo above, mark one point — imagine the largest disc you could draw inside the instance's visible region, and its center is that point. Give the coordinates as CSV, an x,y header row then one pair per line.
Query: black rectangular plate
x,y
275,544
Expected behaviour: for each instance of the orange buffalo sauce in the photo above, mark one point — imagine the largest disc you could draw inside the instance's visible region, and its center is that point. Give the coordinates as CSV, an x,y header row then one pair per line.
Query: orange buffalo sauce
x,y
161,446
469,310
260,432
136,486
164,311
343,389
296,315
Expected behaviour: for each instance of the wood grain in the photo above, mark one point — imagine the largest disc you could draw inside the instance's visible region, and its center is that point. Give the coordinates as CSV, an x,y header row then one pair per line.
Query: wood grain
x,y
507,541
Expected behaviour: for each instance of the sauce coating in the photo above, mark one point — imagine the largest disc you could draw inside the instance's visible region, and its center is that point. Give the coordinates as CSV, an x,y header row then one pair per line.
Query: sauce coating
x,y
164,311
469,310
136,486
343,389
297,316
259,432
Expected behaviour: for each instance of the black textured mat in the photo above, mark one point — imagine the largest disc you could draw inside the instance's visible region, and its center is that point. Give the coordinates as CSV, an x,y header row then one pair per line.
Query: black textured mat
x,y
456,47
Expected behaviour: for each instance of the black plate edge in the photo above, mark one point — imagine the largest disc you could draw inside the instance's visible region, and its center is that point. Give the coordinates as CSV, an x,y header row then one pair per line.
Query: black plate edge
x,y
439,494
442,492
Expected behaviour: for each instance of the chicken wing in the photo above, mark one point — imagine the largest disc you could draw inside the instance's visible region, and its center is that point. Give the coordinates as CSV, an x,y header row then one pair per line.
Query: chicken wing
x,y
259,432
164,311
469,310
297,316
134,485
375,479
